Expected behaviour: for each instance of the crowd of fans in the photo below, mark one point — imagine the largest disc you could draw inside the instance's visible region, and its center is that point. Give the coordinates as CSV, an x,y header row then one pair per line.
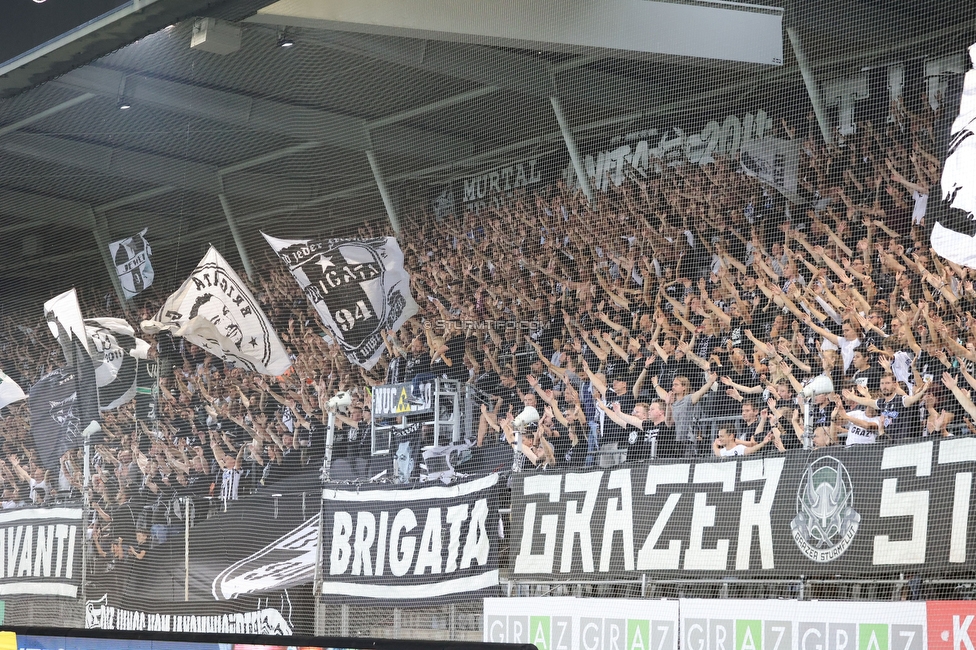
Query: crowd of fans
x,y
680,316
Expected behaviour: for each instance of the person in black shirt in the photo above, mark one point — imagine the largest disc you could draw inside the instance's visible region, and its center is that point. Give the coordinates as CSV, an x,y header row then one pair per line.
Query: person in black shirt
x,y
648,433
537,371
417,360
618,398
866,372
448,356
751,428
507,399
899,422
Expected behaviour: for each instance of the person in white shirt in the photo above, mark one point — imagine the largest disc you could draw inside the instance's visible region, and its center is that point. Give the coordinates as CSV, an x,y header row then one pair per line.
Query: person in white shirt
x,y
847,343
725,445
863,426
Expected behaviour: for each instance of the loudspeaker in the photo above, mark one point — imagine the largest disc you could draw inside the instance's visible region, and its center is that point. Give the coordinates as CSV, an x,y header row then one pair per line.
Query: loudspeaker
x,y
818,386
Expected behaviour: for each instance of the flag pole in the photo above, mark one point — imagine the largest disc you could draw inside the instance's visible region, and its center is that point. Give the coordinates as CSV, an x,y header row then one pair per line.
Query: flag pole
x,y
85,510
93,427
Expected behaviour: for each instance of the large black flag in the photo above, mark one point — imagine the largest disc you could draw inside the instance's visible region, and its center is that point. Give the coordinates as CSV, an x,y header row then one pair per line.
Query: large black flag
x,y
62,404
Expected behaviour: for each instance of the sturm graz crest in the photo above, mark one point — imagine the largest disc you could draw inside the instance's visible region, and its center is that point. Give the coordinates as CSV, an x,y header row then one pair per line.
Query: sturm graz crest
x,y
825,522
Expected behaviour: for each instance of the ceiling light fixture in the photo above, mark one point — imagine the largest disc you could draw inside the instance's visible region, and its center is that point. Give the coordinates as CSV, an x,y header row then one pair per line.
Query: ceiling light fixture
x,y
284,40
124,105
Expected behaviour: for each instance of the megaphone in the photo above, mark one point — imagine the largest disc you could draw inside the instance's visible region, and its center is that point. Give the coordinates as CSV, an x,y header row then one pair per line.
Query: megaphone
x,y
820,385
341,401
528,415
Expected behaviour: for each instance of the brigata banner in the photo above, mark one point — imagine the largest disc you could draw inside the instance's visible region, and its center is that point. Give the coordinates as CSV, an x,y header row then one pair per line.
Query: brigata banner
x,y
411,545
583,623
40,551
864,509
801,625
393,400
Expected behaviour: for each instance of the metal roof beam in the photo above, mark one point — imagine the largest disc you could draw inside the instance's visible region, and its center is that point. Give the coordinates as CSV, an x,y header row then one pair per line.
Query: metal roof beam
x,y
492,66
150,168
26,205
296,122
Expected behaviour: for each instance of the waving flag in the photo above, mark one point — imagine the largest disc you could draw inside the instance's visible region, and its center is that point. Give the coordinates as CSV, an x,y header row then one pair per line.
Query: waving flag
x,y
10,391
215,310
63,403
954,236
133,263
65,321
358,287
116,355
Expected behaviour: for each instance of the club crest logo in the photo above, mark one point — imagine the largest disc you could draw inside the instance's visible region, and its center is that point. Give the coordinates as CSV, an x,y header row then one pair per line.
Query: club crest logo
x,y
825,522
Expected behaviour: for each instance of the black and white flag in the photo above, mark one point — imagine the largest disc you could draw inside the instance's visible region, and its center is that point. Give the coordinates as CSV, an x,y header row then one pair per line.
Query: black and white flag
x,y
65,321
215,310
133,262
10,391
62,404
116,353
111,344
359,288
411,545
773,161
954,237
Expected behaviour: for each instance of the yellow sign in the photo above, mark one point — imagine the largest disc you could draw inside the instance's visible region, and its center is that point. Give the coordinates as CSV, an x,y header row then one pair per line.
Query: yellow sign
x,y
403,406
8,641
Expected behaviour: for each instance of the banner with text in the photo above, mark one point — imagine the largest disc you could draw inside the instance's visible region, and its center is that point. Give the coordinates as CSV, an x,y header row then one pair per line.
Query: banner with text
x,y
414,545
204,618
643,152
394,400
801,625
583,623
360,289
843,511
40,551
490,189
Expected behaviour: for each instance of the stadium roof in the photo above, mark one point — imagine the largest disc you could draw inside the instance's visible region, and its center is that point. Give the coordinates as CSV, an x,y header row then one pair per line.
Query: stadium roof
x,y
276,137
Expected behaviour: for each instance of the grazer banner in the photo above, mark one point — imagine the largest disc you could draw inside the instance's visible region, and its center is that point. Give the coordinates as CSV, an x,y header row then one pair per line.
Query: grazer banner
x,y
801,625
40,551
868,509
414,545
583,623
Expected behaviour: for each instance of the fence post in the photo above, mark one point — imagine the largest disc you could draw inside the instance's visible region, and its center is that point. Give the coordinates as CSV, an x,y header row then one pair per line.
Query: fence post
x,y
397,622
453,627
344,620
